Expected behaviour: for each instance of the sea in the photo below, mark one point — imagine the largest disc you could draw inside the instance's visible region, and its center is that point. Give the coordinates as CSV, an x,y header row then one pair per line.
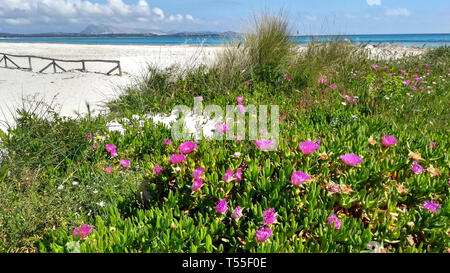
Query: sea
x,y
420,40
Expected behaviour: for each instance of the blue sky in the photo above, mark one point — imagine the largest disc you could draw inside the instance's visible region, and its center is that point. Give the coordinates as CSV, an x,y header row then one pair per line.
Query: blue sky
x,y
306,16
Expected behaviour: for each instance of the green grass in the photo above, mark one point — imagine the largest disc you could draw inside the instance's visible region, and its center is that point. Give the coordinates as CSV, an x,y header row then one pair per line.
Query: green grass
x,y
144,212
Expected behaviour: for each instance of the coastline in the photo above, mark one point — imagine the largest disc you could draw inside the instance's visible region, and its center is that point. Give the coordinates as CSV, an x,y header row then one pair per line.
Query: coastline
x,y
73,89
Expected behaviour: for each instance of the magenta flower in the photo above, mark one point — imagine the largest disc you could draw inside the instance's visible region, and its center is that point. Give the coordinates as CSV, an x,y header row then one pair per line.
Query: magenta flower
x,y
109,170
222,206
187,147
241,108
237,139
427,65
269,216
110,148
417,70
157,170
322,80
403,72
375,66
432,144
114,154
264,144
333,86
197,184
431,206
420,88
413,88
238,175
429,71
350,159
388,140
308,147
263,234
84,231
125,163
222,128
239,100
406,82
200,98
288,78
386,68
198,173
176,159
354,100
419,79
237,213
416,168
167,142
89,136
248,83
334,221
228,176
298,178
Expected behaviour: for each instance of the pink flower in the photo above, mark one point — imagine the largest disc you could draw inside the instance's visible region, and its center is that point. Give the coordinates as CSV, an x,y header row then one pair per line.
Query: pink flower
x,y
375,66
89,136
222,206
263,234
334,221
308,147
264,144
176,159
110,147
200,98
429,71
354,100
269,216
388,140
298,178
349,99
390,74
406,82
413,88
114,154
241,108
403,72
197,184
427,65
431,206
237,139
167,142
333,188
157,170
420,88
198,173
333,86
222,128
239,100
350,159
238,175
322,80
125,163
187,147
84,231
237,213
248,83
228,176
432,144
288,78
386,68
109,170
416,168
417,70
419,79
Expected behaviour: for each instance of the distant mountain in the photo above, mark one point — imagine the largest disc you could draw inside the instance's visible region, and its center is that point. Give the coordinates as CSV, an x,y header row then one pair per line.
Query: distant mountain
x,y
103,29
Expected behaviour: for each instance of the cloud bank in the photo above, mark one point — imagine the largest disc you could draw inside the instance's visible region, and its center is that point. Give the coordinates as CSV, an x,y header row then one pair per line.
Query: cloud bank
x,y
397,12
373,2
84,12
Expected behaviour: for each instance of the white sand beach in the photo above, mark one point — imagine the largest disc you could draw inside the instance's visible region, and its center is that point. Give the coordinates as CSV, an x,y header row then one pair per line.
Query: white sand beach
x,y
74,89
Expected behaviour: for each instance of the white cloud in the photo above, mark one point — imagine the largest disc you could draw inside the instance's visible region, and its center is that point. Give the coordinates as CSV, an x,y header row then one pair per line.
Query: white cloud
x,y
373,2
84,12
397,12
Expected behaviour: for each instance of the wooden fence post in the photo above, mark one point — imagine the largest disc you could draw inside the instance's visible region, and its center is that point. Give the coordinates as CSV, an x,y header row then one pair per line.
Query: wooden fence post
x,y
29,63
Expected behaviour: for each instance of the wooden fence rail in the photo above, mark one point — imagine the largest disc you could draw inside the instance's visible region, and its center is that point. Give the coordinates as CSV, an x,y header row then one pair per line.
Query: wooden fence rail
x,y
5,58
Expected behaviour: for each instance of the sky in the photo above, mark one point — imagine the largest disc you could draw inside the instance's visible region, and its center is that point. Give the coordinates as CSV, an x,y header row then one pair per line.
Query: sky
x,y
306,17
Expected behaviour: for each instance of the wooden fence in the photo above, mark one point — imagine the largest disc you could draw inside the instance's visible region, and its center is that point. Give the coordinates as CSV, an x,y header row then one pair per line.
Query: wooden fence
x,y
6,59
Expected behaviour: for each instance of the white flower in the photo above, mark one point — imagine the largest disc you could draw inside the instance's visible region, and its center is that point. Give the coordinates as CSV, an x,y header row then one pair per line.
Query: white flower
x,y
60,187
386,98
136,117
101,204
95,191
177,169
75,183
237,154
344,103
114,126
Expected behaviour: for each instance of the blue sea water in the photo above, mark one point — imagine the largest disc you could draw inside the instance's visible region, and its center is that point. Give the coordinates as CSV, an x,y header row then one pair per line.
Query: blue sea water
x,y
427,40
